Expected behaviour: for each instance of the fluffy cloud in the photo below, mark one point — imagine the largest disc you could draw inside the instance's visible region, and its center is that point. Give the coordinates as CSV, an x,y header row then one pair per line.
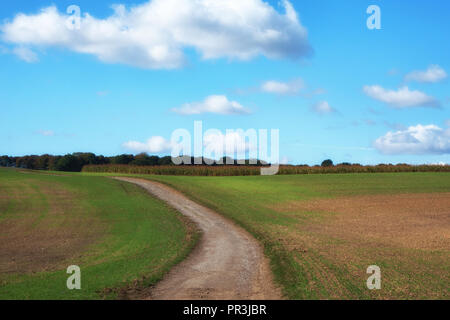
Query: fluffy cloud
x,y
322,108
284,160
419,139
26,54
213,104
283,88
440,164
434,73
402,98
154,34
154,144
228,144
46,133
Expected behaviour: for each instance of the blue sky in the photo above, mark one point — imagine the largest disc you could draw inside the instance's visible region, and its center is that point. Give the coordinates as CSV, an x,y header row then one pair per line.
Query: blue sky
x,y
344,99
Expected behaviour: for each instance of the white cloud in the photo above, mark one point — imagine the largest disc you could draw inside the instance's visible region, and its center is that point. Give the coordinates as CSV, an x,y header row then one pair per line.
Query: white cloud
x,y
394,125
318,91
419,139
46,133
434,73
25,54
322,108
284,160
155,144
212,104
392,72
154,34
439,164
283,88
228,143
402,98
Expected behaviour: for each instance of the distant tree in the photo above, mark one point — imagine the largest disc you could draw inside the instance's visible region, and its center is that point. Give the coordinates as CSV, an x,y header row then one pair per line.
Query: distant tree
x,y
154,160
52,163
165,161
42,162
69,163
122,159
345,164
143,159
102,160
4,161
85,157
27,162
327,163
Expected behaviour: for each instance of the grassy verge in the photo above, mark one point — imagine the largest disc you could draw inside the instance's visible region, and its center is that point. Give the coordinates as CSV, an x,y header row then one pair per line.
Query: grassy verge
x,y
121,237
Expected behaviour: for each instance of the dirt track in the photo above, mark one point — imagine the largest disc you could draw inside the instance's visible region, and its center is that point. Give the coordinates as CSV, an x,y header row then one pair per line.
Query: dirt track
x,y
226,264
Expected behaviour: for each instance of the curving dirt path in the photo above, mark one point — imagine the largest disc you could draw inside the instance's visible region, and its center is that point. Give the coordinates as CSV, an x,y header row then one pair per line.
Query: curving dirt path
x,y
227,264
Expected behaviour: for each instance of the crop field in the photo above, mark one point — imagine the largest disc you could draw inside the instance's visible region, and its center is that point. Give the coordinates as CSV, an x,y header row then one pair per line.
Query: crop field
x,y
246,170
321,232
122,239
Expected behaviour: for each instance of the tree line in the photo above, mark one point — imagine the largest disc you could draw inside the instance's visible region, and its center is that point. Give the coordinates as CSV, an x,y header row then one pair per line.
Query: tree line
x,y
74,162
144,163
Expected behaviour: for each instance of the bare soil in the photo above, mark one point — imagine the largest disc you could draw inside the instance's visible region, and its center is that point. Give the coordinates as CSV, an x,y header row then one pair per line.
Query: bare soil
x,y
336,239
417,221
38,239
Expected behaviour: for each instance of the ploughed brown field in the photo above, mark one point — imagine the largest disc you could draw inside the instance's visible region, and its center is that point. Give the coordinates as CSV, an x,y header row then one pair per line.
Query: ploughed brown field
x,y
412,229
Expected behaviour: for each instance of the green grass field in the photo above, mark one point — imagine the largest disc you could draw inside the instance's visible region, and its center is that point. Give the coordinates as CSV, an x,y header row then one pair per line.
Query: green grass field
x,y
321,232
120,237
